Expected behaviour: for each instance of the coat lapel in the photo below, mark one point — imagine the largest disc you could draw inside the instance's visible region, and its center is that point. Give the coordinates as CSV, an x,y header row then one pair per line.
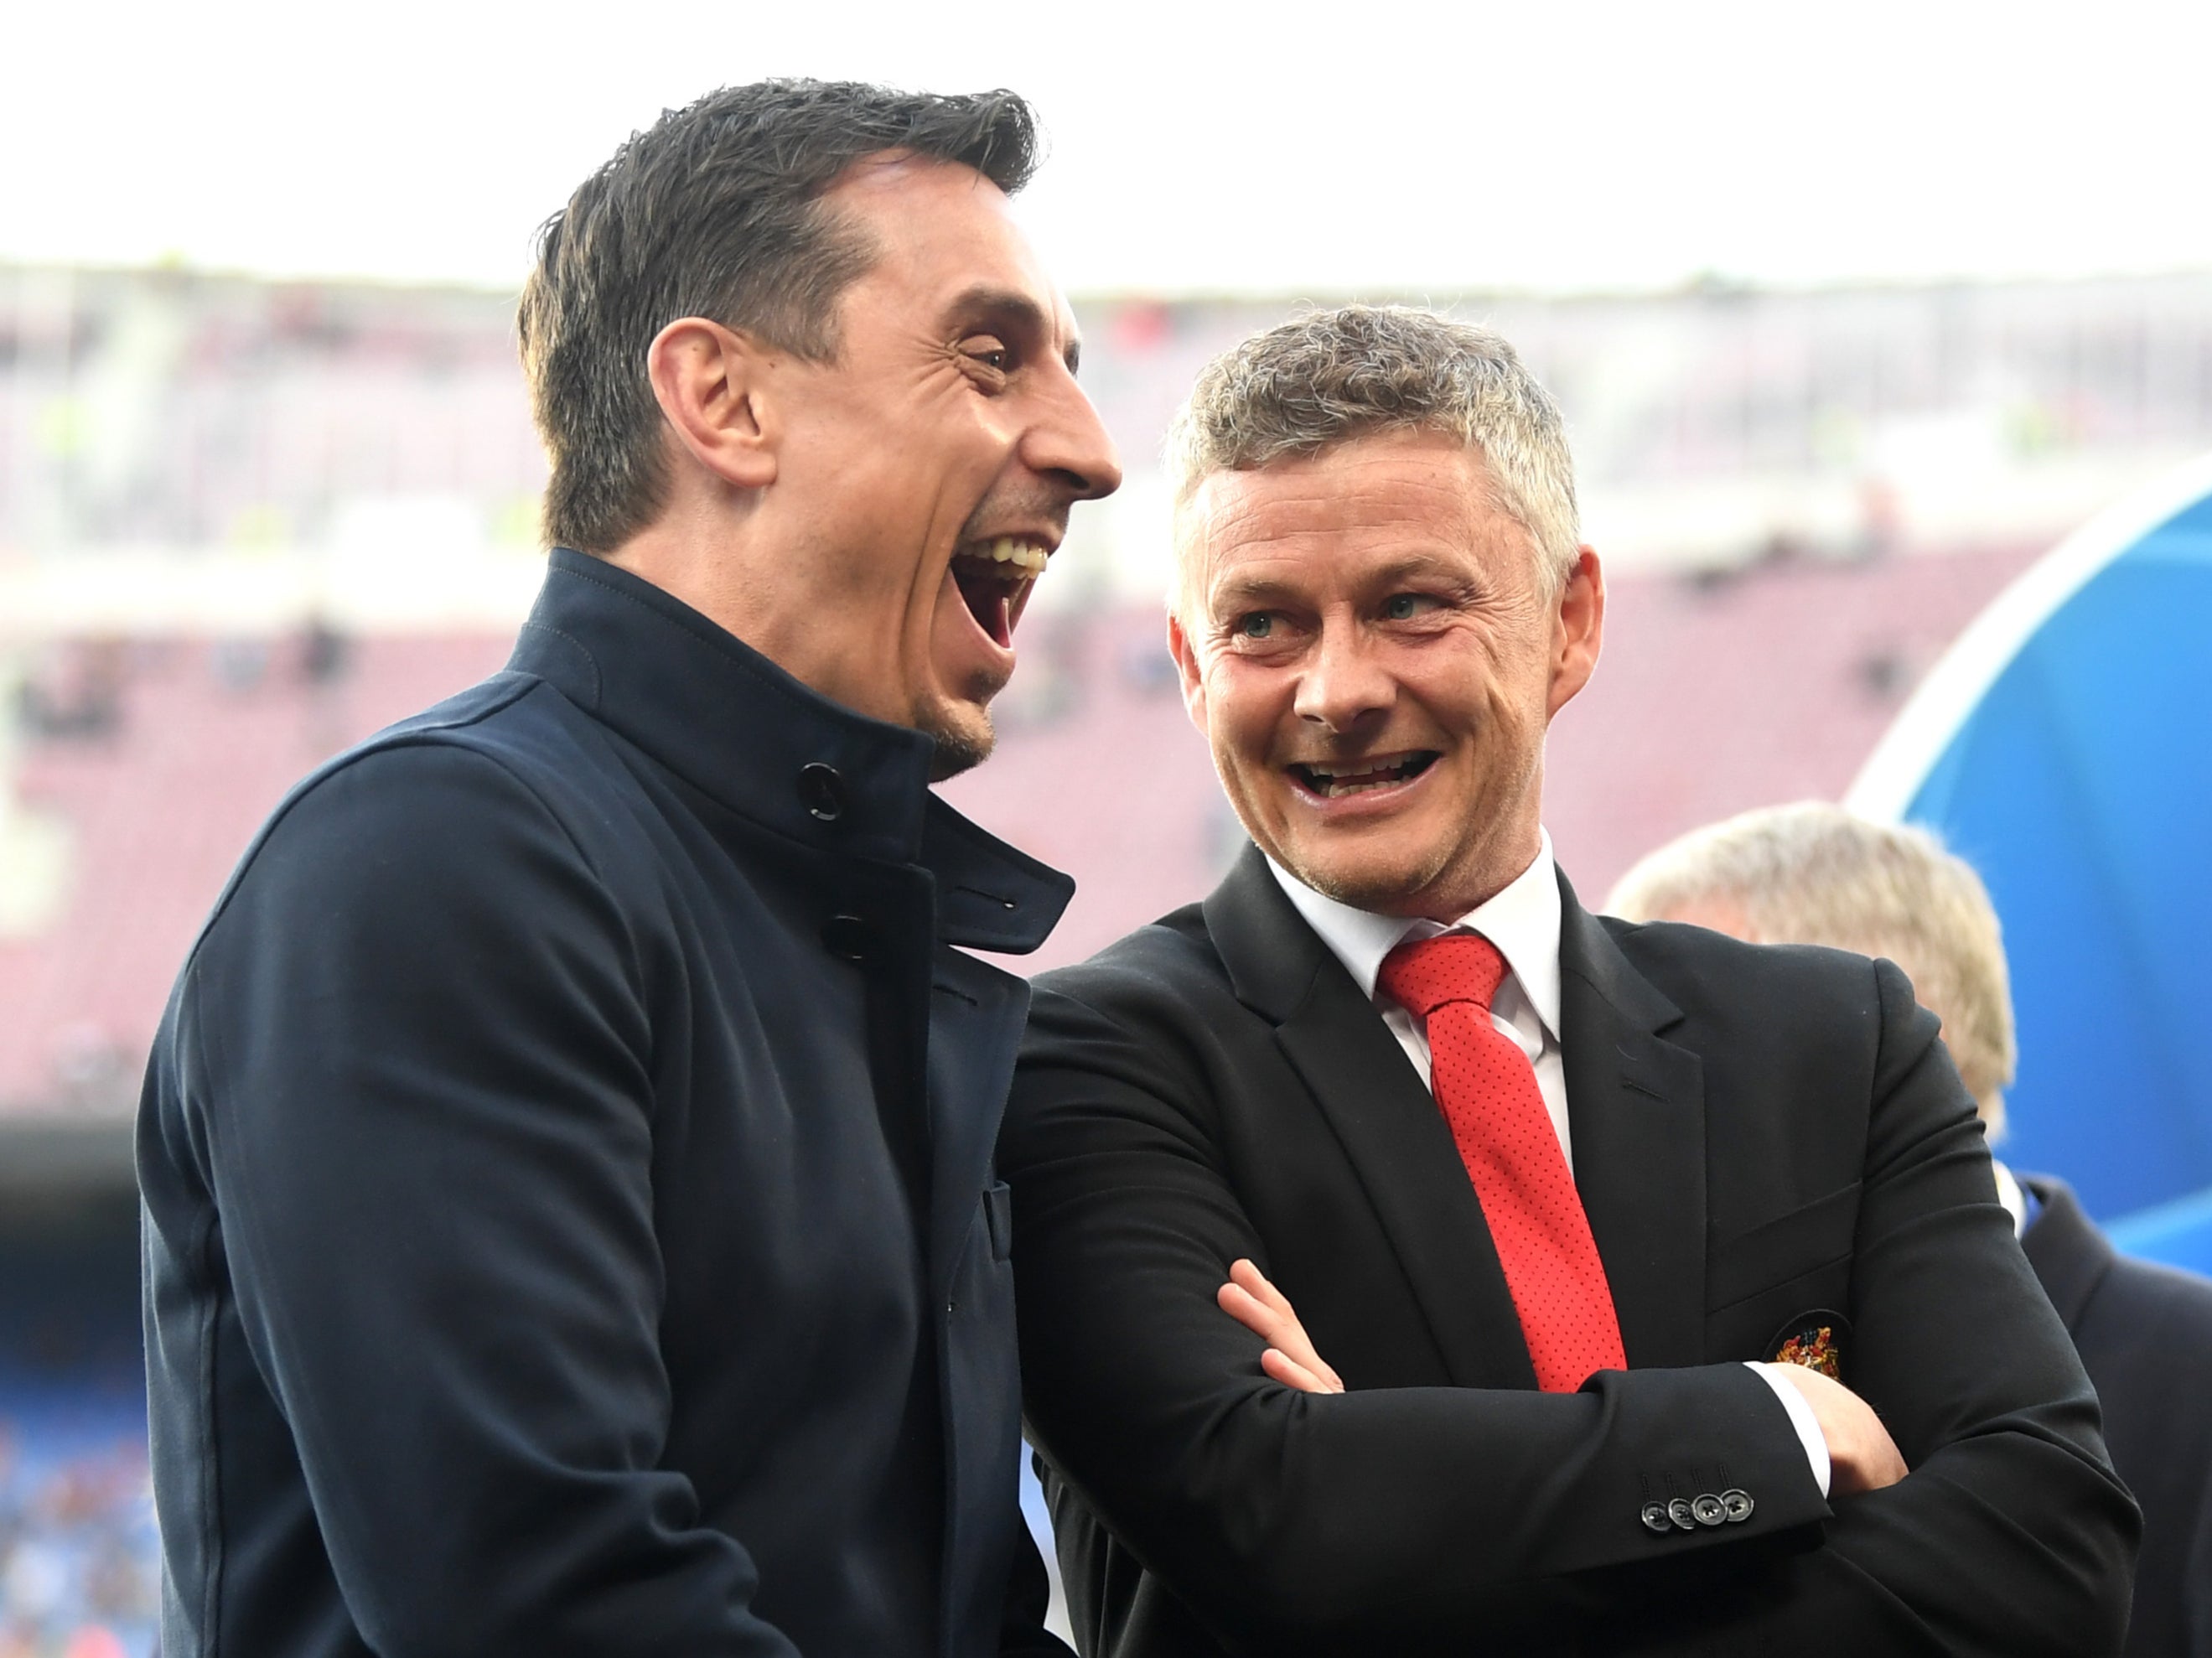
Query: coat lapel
x,y
1636,1107
1394,1137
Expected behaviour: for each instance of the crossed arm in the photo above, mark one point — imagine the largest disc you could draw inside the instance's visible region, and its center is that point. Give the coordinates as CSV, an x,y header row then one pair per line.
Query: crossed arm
x,y
1861,1456
1283,1513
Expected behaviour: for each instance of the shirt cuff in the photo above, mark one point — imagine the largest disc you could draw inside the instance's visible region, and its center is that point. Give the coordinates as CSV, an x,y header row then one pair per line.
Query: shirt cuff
x,y
1801,1418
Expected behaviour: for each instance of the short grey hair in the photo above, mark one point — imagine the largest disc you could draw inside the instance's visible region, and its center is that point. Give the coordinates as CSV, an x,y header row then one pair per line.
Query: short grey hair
x,y
1813,873
1329,377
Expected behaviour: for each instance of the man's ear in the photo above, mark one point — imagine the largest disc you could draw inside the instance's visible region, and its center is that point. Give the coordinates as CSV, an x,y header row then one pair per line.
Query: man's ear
x,y
712,385
1577,629
1186,668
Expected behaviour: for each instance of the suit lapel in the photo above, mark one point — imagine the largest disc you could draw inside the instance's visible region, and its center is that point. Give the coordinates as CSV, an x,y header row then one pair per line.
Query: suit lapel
x,y
1392,1135
1636,1107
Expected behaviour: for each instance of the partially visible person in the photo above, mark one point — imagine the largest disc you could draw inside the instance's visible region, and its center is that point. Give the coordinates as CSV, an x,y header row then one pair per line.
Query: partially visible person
x,y
570,1222
1816,874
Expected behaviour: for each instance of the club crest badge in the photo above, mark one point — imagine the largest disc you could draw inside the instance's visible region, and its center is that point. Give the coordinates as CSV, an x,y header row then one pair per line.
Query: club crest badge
x,y
1815,1339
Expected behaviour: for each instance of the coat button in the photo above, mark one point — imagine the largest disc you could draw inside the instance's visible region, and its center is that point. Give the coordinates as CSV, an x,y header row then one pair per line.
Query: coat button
x,y
847,936
1654,1518
1707,1510
1679,1511
1736,1503
821,791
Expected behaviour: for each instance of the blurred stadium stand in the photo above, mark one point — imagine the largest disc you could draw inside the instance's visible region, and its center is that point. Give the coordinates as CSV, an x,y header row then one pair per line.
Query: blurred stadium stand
x,y
243,524
77,1574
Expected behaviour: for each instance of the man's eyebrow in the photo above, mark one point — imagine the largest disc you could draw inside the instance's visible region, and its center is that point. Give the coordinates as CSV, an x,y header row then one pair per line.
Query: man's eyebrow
x,y
1244,591
1410,566
1010,303
1239,590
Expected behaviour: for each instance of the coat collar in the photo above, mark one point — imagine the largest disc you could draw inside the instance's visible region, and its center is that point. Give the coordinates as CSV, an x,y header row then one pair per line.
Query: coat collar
x,y
2068,1253
1636,1103
779,754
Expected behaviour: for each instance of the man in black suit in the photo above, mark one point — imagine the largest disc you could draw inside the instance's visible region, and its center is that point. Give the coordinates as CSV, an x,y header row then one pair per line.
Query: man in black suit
x,y
1813,873
570,1222
1551,1193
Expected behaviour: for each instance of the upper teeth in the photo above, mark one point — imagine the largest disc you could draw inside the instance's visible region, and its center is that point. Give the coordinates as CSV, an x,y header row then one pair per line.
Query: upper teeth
x,y
1363,770
1025,556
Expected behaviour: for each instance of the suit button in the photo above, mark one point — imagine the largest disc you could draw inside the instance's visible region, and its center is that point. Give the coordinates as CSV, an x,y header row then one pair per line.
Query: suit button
x,y
1736,1504
1708,1509
1655,1517
821,791
1679,1512
847,936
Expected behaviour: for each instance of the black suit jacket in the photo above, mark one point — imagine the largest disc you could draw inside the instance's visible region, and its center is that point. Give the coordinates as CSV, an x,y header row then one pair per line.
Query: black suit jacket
x,y
570,1222
1760,1136
2144,1332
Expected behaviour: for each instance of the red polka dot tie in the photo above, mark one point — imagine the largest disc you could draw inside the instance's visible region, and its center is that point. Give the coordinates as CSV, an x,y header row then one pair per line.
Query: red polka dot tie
x,y
1487,1090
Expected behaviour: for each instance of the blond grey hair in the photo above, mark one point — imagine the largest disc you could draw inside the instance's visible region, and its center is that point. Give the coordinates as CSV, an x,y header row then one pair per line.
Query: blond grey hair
x,y
1330,377
1815,874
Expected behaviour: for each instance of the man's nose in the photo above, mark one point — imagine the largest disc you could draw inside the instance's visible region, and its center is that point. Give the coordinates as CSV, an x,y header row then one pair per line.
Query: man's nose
x,y
1071,442
1344,681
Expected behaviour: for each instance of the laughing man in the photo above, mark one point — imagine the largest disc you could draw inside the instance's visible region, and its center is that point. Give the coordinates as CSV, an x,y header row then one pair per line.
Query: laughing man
x,y
1591,1288
570,1222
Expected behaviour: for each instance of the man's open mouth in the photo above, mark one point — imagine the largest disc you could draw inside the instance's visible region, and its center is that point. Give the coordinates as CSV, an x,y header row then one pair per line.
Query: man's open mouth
x,y
994,579
1334,781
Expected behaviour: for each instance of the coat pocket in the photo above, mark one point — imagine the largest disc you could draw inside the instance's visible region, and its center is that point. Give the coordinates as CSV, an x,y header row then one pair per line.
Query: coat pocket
x,y
1805,1243
998,1217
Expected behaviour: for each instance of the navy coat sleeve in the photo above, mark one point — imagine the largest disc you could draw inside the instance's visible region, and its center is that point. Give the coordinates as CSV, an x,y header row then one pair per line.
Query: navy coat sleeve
x,y
416,1053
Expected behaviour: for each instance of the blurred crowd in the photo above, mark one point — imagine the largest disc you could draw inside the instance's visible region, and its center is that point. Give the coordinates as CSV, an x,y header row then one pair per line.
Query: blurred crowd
x,y
79,1563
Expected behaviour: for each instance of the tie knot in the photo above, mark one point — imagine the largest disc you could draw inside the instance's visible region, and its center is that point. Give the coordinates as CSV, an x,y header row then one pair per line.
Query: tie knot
x,y
1452,966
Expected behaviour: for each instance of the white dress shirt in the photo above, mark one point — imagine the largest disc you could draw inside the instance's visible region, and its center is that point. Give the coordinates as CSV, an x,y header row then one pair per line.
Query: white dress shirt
x,y
1522,920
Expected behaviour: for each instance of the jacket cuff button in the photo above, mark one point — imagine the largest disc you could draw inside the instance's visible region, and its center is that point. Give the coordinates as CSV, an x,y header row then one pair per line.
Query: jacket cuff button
x,y
1654,1518
1736,1504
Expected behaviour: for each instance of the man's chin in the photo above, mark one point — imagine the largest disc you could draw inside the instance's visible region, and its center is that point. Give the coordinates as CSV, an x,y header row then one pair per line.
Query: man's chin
x,y
963,737
1381,881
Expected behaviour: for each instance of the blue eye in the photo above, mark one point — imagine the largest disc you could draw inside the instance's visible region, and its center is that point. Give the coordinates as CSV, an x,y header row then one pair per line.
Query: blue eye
x,y
1404,607
1257,625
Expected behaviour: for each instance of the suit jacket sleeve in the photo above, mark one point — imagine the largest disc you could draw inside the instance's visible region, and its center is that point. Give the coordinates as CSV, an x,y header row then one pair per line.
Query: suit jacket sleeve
x,y
2011,1535
421,1058
1388,1518
1419,1515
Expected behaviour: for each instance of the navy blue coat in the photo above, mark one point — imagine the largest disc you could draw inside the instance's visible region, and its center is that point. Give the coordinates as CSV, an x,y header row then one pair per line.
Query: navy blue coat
x,y
2144,1332
570,1222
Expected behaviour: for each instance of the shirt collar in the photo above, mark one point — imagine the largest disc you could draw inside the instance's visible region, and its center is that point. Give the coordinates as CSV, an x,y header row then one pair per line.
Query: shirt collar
x,y
1522,919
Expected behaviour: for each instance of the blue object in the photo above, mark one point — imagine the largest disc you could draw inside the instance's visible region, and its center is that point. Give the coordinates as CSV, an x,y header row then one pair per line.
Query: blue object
x,y
2179,1234
2064,746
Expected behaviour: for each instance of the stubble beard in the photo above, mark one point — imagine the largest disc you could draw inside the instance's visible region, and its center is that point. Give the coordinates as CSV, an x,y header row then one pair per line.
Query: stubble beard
x,y
960,746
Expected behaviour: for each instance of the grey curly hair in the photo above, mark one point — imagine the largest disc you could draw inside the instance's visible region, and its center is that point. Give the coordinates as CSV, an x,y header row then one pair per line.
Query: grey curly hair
x,y
1327,378
1812,873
